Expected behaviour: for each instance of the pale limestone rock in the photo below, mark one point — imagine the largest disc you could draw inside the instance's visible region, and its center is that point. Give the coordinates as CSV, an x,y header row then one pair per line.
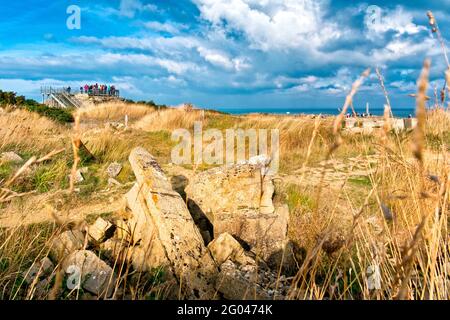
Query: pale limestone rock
x,y
10,157
66,243
78,178
113,182
114,169
95,275
174,227
237,199
225,247
100,230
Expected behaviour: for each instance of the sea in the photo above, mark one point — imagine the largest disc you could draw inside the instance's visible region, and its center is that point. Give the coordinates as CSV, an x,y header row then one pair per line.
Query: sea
x,y
402,112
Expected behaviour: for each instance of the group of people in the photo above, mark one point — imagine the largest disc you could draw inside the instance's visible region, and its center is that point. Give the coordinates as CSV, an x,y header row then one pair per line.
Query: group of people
x,y
97,89
359,115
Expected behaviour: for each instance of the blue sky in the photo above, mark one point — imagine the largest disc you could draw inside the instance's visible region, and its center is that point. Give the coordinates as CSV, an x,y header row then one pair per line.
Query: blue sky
x,y
224,53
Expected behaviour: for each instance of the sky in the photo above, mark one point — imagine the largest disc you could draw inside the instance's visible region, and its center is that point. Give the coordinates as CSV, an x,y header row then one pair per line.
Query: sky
x,y
255,54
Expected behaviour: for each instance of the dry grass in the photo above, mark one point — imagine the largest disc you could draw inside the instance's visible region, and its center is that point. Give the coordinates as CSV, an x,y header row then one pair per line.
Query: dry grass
x,y
29,132
169,119
115,111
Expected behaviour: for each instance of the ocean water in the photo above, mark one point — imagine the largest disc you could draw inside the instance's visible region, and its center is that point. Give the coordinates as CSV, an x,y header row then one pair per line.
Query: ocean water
x,y
398,112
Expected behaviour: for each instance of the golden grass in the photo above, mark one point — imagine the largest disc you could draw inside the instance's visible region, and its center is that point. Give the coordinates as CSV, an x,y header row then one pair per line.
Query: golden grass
x,y
115,111
27,131
169,119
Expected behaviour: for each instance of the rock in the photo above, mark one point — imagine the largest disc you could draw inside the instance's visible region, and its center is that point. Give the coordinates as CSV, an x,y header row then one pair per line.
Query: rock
x,y
225,247
114,169
78,176
112,181
10,157
39,269
237,199
101,230
66,243
94,274
42,288
166,212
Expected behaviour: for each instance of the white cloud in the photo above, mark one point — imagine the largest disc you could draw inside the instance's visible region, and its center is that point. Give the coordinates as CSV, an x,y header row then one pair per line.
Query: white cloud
x,y
222,60
144,60
170,46
272,25
398,20
128,8
172,28
397,49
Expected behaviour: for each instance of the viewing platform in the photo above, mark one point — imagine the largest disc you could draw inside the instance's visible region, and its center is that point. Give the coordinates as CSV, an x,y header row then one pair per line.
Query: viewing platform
x,y
67,97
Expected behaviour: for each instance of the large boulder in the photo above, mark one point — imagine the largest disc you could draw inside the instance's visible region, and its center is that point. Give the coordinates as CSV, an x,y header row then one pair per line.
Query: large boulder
x,y
162,215
140,230
237,199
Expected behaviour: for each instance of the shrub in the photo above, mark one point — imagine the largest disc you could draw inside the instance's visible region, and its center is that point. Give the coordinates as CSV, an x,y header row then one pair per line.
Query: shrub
x,y
56,114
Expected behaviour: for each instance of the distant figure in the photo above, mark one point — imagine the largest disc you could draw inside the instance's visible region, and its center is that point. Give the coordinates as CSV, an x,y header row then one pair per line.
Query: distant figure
x,y
69,89
86,88
81,90
409,116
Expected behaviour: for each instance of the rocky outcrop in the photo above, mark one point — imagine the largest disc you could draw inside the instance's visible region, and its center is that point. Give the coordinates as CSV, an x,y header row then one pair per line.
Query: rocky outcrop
x,y
223,248
237,199
167,219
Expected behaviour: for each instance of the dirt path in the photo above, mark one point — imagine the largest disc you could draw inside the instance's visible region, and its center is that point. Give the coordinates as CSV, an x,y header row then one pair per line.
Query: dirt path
x,y
41,208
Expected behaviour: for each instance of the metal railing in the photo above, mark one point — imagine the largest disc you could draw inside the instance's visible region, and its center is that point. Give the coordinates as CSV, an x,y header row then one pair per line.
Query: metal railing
x,y
48,90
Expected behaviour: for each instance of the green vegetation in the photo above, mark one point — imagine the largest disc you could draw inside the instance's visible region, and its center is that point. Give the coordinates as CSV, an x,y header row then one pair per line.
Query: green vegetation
x,y
361,181
56,114
150,103
297,199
